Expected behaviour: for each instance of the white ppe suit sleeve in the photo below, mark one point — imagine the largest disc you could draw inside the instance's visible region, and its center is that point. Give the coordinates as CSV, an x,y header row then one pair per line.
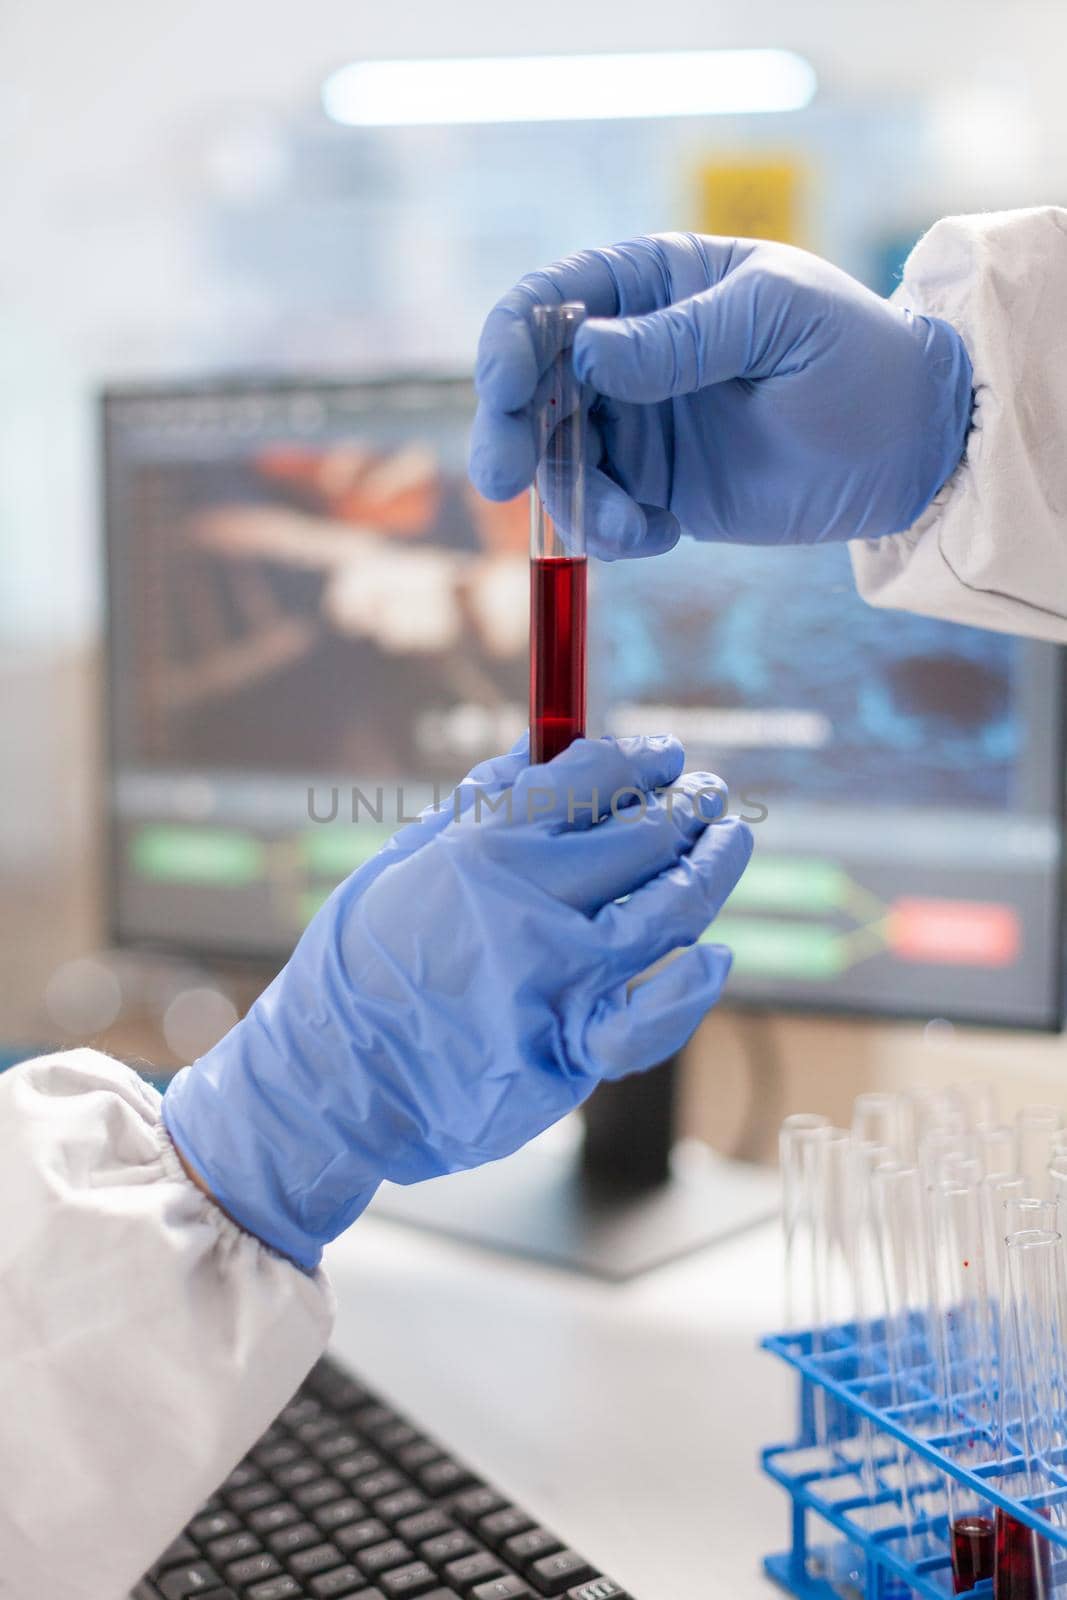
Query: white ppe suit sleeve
x,y
145,1340
991,550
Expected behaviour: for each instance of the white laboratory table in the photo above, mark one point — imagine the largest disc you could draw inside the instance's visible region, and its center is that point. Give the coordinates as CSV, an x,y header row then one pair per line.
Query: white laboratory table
x,y
628,1418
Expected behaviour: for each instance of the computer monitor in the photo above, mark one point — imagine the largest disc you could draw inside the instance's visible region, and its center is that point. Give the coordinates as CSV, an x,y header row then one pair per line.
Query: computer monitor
x,y
315,621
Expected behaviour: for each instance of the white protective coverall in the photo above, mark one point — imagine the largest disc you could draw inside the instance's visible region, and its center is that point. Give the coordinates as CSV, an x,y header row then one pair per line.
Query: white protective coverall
x,y
145,1341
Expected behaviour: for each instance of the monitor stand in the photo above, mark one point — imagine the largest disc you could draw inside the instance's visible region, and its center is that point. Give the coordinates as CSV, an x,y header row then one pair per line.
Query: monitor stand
x,y
618,1203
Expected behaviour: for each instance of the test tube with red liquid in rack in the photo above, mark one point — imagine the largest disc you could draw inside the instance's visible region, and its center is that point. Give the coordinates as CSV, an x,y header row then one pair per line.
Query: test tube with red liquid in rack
x,y
558,607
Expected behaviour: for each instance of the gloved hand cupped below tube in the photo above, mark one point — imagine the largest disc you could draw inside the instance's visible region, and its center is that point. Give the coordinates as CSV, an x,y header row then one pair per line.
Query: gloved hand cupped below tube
x,y
468,987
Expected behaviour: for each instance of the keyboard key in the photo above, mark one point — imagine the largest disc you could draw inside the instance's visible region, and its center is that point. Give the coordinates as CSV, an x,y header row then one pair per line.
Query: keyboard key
x,y
225,1593
298,1473
356,1466
301,1410
213,1526
470,1571
419,1454
473,1504
243,1474
252,1569
381,1557
273,1517
338,1584
359,1535
554,1574
374,1418
404,1503
444,1477
233,1545
277,1455
413,1579
283,1588
448,1547
196,1578
341,1392
340,1443
297,1536
316,1430
500,1525
524,1548
319,1493
256,1495
597,1589
396,1436
424,1525
503,1589
320,1558
338,1512
178,1554
378,1484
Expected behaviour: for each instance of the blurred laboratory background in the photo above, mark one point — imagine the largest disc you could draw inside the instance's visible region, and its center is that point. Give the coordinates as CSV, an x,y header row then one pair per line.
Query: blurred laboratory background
x,y
241,283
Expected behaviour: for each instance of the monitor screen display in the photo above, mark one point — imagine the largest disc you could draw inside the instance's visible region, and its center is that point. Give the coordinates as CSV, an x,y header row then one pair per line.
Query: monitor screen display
x,y
316,625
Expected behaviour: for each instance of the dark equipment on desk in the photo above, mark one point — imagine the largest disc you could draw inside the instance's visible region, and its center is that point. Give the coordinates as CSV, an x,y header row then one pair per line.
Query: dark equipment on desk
x,y
342,1496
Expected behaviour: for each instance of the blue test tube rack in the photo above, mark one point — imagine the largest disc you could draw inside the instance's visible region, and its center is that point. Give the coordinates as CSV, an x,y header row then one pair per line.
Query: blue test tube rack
x,y
903,1423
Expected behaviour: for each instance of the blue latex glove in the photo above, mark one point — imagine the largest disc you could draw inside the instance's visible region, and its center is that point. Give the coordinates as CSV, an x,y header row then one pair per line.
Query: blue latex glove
x,y
466,989
741,391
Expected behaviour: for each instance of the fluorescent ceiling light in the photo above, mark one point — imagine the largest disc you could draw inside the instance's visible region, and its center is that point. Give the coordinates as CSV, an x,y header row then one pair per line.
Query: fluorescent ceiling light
x,y
665,83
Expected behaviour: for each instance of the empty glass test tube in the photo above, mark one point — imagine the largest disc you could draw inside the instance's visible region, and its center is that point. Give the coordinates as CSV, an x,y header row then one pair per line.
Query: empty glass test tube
x,y
899,1208
1036,1129
876,1119
995,1190
997,1149
558,604
977,1102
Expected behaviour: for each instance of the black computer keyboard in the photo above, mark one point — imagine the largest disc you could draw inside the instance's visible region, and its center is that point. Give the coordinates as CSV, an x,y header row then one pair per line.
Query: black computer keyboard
x,y
343,1496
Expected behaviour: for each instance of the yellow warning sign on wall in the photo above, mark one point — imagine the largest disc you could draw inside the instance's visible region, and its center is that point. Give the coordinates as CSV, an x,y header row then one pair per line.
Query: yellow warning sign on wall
x,y
751,199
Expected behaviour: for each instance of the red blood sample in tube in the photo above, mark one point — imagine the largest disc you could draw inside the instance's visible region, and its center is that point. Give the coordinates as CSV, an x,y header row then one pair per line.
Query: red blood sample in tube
x,y
1022,1567
557,654
973,1548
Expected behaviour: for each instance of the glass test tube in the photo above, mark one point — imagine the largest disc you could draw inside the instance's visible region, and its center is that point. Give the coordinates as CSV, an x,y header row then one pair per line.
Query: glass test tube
x,y
1036,1128
940,1146
1034,1328
867,1287
997,1149
922,1109
964,1322
1026,1212
996,1189
842,1563
876,1120
1057,1187
803,1157
557,544
977,1102
899,1202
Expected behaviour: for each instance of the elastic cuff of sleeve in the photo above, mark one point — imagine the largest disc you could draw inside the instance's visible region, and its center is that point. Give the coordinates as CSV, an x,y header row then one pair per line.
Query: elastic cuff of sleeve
x,y
946,442
268,1222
